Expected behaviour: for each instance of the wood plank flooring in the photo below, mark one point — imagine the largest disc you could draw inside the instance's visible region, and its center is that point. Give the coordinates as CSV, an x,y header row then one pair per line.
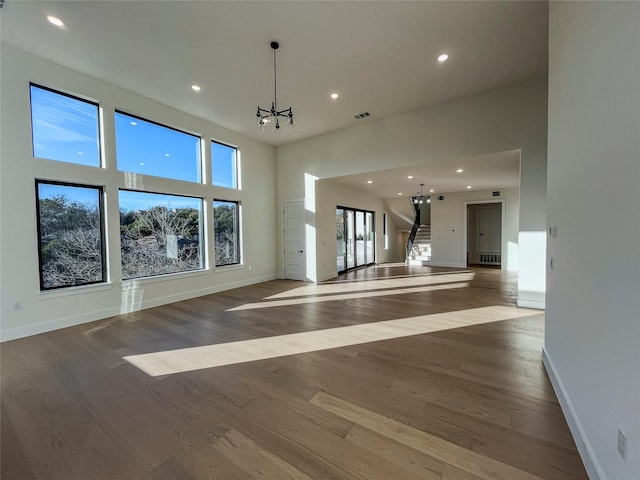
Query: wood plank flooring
x,y
463,399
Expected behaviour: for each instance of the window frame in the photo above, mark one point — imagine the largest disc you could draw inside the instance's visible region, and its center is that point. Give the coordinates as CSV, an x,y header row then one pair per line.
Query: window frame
x,y
103,247
237,235
99,125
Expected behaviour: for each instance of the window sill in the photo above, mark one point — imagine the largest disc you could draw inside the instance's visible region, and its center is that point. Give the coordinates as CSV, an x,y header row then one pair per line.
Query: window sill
x,y
228,268
165,277
78,290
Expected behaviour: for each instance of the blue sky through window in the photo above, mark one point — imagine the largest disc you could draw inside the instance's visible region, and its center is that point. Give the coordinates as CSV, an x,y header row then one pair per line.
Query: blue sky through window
x,y
223,159
64,128
151,149
87,196
134,201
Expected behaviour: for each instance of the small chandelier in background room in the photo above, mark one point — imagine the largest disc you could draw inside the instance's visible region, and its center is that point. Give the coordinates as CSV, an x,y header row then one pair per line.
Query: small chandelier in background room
x,y
420,199
267,115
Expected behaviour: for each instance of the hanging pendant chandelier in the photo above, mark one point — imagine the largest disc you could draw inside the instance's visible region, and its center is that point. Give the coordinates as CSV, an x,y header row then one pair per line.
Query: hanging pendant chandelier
x,y
419,199
268,115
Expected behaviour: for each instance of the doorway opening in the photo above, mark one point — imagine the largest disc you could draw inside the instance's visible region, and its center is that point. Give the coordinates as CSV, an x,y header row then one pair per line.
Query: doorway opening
x,y
484,234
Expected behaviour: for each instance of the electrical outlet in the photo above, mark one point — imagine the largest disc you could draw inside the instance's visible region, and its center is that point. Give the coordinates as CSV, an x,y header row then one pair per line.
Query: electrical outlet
x,y
17,305
622,444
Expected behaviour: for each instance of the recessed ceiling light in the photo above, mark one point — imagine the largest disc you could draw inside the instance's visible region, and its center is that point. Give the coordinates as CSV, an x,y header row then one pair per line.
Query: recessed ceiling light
x,y
334,96
399,193
55,21
459,170
369,181
431,190
133,123
195,88
410,177
443,57
468,186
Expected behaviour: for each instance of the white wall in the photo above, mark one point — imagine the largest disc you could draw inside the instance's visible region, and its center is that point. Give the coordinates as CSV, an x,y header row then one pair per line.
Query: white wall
x,y
513,118
448,227
330,194
592,344
18,169
401,212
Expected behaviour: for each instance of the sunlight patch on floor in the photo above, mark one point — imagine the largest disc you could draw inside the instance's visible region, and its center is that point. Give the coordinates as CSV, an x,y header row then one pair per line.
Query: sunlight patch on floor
x,y
208,356
374,284
345,296
404,275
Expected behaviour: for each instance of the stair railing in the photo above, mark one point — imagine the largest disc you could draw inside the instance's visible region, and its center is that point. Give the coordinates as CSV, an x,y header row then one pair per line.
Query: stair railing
x,y
414,229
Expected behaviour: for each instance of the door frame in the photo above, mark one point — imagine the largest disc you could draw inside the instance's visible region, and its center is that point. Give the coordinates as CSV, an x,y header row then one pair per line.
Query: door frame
x,y
465,229
284,238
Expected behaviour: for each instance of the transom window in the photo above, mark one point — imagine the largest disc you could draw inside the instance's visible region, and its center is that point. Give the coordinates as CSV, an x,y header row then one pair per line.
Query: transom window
x,y
149,148
64,127
224,165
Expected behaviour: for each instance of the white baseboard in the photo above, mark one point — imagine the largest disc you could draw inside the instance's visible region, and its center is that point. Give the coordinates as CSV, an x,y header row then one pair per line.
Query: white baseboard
x,y
538,305
328,276
529,299
58,323
445,264
582,442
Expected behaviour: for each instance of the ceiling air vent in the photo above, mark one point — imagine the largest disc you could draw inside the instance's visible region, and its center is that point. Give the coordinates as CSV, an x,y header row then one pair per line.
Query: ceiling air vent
x,y
362,115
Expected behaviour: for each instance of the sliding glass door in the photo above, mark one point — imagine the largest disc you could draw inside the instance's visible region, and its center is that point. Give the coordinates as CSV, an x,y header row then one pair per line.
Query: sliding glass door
x,y
355,238
369,238
360,253
349,226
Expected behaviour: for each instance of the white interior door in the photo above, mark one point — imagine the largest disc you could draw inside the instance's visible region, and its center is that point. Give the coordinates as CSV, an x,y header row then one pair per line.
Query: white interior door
x,y
294,241
489,229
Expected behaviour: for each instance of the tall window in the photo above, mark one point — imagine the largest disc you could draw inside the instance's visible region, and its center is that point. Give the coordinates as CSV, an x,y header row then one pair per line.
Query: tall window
x,y
70,234
159,233
224,165
385,234
64,127
152,149
226,229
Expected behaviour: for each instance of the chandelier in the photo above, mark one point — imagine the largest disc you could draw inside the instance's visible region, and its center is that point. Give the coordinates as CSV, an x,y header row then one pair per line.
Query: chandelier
x,y
266,115
419,199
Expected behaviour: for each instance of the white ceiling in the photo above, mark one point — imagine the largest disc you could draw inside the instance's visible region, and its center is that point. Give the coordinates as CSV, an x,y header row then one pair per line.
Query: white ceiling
x,y
499,170
379,56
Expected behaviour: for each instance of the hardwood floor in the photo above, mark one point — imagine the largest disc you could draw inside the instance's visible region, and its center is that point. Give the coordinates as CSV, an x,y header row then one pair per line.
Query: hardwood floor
x,y
388,372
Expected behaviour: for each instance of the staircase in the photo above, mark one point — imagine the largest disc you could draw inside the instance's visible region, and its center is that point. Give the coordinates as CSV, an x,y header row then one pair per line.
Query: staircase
x,y
421,250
